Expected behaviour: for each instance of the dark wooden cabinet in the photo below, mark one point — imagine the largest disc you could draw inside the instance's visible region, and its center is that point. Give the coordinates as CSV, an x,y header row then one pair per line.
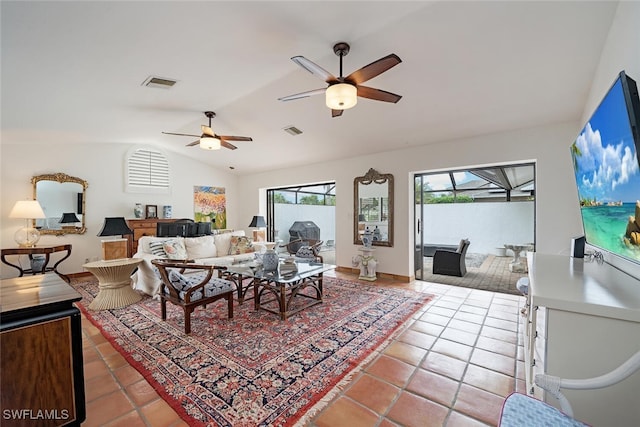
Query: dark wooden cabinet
x,y
41,365
142,227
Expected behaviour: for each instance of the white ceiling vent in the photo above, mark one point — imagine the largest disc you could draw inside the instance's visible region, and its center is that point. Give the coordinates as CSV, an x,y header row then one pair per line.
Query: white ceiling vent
x,y
159,82
292,130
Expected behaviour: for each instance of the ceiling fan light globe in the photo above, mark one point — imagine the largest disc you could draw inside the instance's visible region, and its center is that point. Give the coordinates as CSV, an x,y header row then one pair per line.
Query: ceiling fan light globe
x,y
341,96
209,143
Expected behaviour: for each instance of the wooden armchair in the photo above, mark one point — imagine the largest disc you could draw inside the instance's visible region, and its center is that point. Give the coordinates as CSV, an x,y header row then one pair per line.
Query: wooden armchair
x,y
451,263
294,246
191,290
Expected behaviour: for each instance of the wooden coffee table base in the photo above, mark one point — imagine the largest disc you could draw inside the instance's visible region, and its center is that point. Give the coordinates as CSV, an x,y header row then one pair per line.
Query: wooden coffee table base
x,y
284,294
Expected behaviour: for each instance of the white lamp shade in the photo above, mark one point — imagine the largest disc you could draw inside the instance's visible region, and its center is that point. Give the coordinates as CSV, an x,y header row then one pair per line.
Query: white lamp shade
x,y
209,143
27,209
27,236
341,96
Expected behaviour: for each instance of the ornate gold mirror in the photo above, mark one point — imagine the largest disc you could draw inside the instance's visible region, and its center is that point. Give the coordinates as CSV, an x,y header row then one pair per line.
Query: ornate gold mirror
x,y
373,208
63,200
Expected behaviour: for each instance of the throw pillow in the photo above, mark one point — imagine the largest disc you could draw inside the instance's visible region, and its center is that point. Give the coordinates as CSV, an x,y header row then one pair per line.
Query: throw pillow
x,y
305,252
200,247
175,249
157,249
240,245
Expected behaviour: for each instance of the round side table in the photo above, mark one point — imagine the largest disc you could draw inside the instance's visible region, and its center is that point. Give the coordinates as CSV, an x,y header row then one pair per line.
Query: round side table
x,y
114,282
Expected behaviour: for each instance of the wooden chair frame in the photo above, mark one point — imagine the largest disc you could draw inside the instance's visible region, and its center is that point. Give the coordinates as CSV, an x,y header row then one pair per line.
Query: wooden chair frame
x,y
187,305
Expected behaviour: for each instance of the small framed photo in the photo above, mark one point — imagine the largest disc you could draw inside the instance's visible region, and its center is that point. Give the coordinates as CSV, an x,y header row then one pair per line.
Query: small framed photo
x,y
151,211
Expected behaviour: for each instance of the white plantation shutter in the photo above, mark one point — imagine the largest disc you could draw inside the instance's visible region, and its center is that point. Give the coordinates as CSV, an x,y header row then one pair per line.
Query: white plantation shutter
x,y
147,171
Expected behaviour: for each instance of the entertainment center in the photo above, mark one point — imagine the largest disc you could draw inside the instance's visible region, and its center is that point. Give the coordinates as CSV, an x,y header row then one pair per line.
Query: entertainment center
x,y
583,321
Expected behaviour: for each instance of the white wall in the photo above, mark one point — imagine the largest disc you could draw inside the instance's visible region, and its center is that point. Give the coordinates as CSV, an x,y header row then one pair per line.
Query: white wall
x,y
487,225
102,165
558,217
557,214
323,216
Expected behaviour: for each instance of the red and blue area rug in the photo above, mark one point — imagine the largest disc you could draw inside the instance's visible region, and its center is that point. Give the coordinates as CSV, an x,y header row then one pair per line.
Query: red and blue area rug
x,y
254,369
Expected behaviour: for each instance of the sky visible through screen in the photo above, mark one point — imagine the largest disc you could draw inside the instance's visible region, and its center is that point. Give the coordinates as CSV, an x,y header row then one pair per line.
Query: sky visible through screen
x,y
607,163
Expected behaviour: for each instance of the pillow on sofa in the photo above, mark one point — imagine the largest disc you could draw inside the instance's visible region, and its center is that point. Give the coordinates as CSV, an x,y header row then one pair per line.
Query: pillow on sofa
x,y
223,241
157,249
175,249
240,245
200,247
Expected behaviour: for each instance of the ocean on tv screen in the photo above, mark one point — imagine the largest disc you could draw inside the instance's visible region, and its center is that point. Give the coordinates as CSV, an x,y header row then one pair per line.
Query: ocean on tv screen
x,y
608,177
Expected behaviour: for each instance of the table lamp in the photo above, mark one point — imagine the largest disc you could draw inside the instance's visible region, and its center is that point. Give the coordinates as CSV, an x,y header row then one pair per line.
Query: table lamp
x,y
27,236
259,234
115,248
69,218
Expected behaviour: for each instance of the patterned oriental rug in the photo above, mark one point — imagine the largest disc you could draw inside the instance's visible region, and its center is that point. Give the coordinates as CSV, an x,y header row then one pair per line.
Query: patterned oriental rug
x,y
254,369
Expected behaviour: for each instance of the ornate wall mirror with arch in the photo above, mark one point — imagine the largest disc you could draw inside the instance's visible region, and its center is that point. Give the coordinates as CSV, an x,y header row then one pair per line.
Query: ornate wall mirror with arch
x,y
63,200
373,208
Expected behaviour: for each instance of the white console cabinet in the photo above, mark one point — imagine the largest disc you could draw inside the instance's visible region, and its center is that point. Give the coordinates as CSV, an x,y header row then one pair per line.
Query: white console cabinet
x,y
584,321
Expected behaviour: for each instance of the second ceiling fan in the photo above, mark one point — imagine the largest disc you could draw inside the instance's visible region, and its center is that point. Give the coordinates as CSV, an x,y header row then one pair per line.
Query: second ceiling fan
x,y
209,140
342,92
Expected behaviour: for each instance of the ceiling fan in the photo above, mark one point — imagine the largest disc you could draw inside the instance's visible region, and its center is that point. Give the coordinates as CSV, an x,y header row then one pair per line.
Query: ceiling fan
x,y
342,92
209,140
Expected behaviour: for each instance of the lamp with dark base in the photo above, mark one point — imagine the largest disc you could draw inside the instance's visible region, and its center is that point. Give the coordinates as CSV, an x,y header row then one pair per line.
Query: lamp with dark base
x,y
115,248
69,221
259,223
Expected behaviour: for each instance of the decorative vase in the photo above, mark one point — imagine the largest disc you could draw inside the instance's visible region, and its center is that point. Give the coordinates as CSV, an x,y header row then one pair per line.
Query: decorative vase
x,y
138,211
270,260
37,263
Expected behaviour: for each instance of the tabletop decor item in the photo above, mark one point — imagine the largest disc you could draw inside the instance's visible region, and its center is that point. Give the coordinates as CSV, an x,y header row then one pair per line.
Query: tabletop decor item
x,y
270,260
138,211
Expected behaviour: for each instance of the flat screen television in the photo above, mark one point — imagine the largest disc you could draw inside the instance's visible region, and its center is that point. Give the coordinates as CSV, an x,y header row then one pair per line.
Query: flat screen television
x,y
607,170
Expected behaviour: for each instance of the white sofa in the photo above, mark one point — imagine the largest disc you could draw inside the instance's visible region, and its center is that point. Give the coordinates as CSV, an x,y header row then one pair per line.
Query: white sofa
x,y
209,250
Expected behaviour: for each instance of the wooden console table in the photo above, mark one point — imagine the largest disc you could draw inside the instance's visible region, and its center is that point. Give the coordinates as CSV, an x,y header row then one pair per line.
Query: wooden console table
x,y
583,321
41,362
140,228
38,250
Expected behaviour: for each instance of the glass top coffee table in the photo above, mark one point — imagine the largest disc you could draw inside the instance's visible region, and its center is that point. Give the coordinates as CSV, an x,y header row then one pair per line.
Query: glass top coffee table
x,y
283,291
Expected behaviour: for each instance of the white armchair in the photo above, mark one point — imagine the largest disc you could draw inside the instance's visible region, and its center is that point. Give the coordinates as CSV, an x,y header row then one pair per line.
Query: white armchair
x,y
522,410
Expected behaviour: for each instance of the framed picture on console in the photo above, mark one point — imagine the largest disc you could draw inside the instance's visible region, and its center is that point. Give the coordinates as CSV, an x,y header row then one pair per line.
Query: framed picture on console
x,y
151,211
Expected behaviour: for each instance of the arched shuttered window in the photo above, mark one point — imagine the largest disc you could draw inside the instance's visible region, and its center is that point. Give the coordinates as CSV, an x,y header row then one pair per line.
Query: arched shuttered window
x,y
147,171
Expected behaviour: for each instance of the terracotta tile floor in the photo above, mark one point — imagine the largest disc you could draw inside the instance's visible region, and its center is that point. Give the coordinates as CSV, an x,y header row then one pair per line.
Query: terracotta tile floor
x,y
452,365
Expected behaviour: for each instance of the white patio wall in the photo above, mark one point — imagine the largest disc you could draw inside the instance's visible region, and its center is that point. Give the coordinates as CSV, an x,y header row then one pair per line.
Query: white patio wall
x,y
323,216
487,225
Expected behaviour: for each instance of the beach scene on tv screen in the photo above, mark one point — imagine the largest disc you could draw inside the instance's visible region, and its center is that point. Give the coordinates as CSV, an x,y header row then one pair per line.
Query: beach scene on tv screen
x,y
608,178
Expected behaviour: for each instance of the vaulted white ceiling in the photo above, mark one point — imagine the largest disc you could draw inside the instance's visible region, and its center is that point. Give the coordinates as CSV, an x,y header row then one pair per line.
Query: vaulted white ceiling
x,y
72,72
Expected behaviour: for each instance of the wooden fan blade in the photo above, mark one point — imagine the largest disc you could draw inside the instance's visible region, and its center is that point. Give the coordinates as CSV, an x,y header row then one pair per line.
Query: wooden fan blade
x,y
179,134
207,131
336,113
303,94
314,69
234,138
375,68
196,142
377,94
225,144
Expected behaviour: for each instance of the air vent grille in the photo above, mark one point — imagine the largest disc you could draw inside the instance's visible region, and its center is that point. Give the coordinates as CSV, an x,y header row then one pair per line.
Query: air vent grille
x,y
159,82
292,130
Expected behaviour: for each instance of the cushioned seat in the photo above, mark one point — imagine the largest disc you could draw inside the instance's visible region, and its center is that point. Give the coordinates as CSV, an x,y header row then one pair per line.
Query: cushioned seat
x,y
192,290
520,410
451,263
